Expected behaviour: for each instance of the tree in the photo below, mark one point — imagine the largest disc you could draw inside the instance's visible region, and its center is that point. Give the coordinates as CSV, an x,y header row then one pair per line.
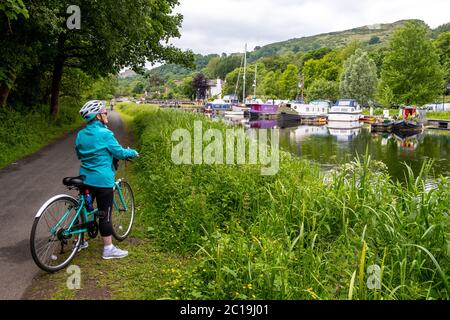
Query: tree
x,y
11,11
113,34
442,45
327,68
374,40
220,67
187,88
271,84
359,79
289,82
411,68
323,89
200,83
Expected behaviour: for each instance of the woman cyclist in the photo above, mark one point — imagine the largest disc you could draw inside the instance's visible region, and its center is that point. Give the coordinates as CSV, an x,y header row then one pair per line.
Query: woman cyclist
x,y
96,147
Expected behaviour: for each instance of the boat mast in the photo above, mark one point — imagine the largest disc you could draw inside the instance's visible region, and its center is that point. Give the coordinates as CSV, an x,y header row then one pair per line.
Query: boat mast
x,y
245,69
238,78
254,83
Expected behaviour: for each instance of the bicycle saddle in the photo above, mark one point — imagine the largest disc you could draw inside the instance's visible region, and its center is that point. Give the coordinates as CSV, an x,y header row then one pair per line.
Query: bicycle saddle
x,y
74,181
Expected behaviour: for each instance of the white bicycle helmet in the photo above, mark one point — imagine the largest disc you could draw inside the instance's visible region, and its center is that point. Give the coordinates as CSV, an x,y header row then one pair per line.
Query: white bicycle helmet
x,y
91,109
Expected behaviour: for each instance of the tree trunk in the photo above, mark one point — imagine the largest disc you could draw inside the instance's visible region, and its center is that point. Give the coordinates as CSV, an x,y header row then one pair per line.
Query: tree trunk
x,y
58,67
56,85
5,88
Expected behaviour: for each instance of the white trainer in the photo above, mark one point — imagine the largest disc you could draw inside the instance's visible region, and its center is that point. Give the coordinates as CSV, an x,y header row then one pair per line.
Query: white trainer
x,y
114,253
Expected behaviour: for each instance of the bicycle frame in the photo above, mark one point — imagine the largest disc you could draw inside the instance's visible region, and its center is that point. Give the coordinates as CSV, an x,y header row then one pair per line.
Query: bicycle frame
x,y
81,210
119,190
88,216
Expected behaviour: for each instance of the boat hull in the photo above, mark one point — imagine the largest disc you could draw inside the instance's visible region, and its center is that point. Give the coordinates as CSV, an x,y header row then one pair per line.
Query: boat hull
x,y
261,110
382,127
341,116
408,126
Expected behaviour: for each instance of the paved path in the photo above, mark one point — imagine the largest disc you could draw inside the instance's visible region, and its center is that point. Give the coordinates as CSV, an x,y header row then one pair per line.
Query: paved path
x,y
24,187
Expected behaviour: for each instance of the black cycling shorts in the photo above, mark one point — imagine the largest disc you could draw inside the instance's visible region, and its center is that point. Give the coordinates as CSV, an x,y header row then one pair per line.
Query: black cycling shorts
x,y
104,197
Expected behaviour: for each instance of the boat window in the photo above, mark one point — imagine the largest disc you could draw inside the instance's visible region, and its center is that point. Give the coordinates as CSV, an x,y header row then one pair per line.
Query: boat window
x,y
345,103
307,109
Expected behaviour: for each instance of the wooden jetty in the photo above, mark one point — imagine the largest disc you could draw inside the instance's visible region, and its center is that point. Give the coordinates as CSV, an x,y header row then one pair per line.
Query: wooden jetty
x,y
438,124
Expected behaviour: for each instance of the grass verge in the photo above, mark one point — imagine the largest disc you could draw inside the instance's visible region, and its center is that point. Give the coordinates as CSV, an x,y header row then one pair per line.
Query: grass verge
x,y
294,235
24,132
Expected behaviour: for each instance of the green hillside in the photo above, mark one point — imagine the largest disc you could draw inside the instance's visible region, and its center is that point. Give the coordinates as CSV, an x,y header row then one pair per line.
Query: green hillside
x,y
377,35
327,51
372,36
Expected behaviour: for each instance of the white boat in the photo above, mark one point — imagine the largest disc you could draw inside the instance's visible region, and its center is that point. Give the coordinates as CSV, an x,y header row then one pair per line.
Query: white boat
x,y
345,110
314,109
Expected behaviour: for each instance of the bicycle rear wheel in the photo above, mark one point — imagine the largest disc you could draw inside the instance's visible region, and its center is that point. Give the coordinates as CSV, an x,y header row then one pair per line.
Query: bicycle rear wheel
x,y
50,248
123,211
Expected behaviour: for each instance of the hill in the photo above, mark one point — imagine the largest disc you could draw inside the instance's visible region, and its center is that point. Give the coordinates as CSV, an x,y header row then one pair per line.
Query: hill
x,y
371,36
377,34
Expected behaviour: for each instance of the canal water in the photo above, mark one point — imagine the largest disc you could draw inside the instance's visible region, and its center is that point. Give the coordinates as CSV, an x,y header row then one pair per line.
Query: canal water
x,y
334,144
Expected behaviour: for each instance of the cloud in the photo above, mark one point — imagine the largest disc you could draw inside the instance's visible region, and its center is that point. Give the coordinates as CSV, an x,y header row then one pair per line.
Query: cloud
x,y
216,26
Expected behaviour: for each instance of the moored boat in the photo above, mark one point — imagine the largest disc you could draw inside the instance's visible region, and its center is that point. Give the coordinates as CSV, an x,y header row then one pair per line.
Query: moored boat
x,y
410,121
263,109
384,126
345,110
316,108
217,105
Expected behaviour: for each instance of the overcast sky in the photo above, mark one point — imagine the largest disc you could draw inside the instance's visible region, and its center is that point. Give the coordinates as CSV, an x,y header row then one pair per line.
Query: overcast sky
x,y
216,26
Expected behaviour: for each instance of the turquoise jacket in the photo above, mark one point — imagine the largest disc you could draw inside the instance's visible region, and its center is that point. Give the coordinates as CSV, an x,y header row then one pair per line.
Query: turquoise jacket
x,y
96,146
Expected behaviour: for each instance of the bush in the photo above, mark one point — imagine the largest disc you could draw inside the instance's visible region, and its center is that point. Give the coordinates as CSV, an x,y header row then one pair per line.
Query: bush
x,y
25,131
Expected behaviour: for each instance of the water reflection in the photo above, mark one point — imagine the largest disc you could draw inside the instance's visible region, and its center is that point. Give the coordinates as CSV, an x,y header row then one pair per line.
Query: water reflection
x,y
339,142
344,131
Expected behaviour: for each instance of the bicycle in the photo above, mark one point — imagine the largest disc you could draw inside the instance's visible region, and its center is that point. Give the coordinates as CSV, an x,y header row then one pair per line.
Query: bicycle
x,y
55,240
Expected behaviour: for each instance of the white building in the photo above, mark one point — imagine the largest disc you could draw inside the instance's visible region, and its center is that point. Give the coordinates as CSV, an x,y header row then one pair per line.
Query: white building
x,y
215,88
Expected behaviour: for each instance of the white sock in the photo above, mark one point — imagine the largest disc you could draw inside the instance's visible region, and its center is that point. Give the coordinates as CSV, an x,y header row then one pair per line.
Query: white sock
x,y
108,247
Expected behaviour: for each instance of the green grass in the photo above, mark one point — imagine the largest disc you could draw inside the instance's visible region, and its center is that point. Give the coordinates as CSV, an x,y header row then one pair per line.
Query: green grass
x,y
440,115
379,112
295,235
26,131
147,273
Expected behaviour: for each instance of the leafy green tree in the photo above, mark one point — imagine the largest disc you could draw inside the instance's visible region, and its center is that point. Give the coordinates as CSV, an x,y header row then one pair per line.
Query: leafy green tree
x,y
187,88
323,89
359,79
327,68
442,44
349,50
275,63
411,68
102,89
314,55
113,34
232,79
271,84
220,67
385,95
289,82
13,54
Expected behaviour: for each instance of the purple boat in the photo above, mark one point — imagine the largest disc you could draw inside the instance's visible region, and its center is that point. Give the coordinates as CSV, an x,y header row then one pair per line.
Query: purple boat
x,y
258,109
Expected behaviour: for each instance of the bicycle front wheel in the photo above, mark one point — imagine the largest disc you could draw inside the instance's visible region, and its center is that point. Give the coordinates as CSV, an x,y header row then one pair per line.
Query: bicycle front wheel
x,y
51,247
122,211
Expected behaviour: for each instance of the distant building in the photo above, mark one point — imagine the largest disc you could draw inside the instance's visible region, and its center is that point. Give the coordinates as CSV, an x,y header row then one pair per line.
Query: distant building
x,y
127,73
215,88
